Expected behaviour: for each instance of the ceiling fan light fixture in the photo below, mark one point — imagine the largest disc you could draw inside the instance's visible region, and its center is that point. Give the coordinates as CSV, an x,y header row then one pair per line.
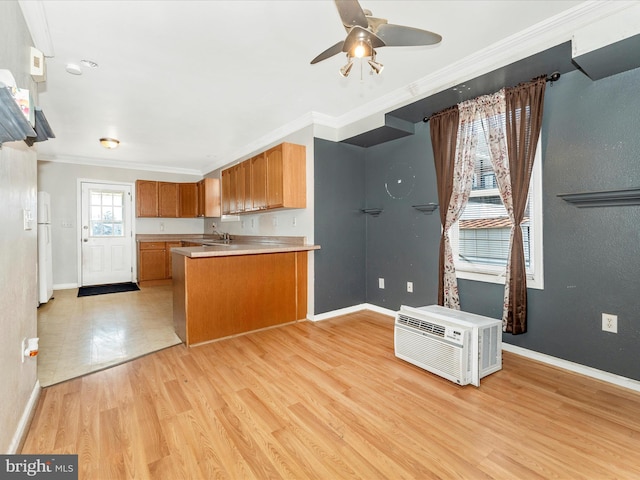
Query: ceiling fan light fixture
x,y
344,71
109,143
376,67
359,51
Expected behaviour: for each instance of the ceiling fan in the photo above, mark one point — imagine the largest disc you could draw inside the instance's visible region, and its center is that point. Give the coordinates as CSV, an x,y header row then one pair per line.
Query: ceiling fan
x,y
365,33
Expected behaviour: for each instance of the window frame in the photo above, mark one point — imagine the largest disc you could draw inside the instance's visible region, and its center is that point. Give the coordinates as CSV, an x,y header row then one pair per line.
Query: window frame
x,y
495,274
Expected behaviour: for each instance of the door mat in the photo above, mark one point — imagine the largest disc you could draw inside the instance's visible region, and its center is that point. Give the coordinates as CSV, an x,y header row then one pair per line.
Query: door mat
x,y
103,289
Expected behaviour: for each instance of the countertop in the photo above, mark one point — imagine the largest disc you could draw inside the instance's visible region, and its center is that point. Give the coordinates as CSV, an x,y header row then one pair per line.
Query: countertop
x,y
240,249
239,245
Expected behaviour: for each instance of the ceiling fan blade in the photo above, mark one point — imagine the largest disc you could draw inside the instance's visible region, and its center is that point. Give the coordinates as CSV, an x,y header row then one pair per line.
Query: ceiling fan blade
x,y
351,13
359,34
400,36
329,52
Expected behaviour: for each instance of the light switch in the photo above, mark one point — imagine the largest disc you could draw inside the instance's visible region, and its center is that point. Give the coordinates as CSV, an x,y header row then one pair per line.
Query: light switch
x,y
28,219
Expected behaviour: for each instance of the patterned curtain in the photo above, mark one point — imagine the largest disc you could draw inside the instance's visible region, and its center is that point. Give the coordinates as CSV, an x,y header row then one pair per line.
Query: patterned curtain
x,y
462,181
524,105
444,134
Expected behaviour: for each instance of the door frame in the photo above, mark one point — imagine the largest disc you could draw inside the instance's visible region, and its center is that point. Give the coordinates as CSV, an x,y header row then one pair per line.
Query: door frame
x,y
134,250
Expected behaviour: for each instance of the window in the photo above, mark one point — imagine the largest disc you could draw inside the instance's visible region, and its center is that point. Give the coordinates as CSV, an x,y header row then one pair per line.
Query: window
x,y
106,213
480,238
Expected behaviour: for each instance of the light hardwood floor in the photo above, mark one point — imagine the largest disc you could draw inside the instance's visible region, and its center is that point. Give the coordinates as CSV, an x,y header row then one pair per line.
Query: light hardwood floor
x,y
329,400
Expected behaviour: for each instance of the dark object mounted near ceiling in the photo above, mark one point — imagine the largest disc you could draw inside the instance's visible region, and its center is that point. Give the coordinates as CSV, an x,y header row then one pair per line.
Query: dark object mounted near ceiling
x,y
15,127
13,124
365,33
42,128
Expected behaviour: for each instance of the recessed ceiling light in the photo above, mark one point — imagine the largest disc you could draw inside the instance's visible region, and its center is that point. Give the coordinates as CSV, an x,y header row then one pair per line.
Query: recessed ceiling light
x,y
73,69
109,143
89,63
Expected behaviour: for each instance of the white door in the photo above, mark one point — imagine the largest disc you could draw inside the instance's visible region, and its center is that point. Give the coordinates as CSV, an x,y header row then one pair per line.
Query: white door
x,y
106,241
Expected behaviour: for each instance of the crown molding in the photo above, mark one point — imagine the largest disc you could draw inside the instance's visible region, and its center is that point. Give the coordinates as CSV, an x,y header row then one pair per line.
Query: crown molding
x,y
122,164
36,20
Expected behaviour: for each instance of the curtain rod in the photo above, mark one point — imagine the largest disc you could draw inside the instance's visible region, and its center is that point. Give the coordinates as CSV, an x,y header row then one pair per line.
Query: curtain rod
x,y
554,77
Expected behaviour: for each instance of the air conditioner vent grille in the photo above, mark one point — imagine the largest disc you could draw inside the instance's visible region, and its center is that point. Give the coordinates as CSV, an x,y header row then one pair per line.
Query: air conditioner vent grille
x,y
422,325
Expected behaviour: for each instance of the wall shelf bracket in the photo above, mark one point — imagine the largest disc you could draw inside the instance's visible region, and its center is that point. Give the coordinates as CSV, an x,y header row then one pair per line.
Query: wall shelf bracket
x,y
374,212
427,208
606,198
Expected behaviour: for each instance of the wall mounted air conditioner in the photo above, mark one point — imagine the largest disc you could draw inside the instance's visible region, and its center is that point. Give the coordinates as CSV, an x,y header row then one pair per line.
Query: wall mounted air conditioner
x,y
459,346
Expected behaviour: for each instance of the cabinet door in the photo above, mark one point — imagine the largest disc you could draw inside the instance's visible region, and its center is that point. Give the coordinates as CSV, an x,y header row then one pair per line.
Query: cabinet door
x,y
275,171
259,182
248,203
146,198
168,199
286,176
233,189
226,191
152,264
240,205
188,200
168,247
200,204
209,195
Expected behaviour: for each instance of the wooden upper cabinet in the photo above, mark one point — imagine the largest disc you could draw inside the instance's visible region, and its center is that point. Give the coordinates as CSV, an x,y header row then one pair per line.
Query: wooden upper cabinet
x,y
258,182
247,200
273,179
187,200
226,191
234,206
167,199
240,194
146,198
209,197
286,176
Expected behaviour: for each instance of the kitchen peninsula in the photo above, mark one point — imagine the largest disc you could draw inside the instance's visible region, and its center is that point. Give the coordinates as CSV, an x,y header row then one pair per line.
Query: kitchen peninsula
x,y
231,288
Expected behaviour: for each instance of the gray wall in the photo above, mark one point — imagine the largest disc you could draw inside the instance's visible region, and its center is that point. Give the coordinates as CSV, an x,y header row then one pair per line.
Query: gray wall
x,y
591,256
339,226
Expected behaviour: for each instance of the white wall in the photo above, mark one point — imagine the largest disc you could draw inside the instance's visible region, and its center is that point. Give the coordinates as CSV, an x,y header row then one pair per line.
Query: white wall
x,y
18,248
61,181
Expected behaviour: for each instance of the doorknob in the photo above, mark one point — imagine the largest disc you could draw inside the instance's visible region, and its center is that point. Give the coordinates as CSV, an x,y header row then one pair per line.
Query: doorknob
x,y
85,239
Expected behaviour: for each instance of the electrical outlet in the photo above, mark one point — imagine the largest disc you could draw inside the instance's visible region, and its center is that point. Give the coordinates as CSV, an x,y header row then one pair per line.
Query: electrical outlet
x,y
410,287
294,221
381,283
162,226
609,323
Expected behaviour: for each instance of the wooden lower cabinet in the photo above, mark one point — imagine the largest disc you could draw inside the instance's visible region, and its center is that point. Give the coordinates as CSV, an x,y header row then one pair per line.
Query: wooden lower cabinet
x,y
154,263
214,297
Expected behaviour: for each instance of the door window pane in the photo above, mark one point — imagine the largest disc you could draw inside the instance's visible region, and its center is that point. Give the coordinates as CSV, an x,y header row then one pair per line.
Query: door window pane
x,y
106,213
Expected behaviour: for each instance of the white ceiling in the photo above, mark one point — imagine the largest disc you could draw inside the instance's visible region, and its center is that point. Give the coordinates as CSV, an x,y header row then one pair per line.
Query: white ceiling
x,y
189,86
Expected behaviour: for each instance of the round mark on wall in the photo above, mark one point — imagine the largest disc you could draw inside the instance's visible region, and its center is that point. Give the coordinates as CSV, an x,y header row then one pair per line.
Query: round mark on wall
x,y
399,180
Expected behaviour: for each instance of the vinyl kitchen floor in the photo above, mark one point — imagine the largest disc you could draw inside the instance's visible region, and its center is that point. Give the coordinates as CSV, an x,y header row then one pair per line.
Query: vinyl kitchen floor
x,y
87,334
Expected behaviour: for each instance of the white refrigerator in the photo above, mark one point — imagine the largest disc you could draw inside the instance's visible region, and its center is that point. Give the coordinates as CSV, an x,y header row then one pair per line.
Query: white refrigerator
x,y
45,265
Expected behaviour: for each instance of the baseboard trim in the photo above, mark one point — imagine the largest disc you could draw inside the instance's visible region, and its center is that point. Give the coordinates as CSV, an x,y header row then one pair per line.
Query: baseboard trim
x,y
574,367
353,309
23,426
65,286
